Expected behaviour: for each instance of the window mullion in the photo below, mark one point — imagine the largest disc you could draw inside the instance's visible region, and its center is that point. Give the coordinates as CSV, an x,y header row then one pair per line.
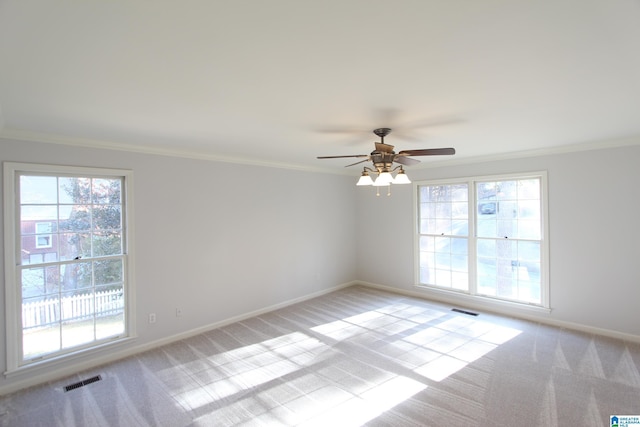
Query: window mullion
x,y
473,239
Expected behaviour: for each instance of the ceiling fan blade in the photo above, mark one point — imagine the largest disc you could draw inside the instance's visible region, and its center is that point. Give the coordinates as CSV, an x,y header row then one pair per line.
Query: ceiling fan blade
x,y
385,148
357,163
340,157
407,161
429,152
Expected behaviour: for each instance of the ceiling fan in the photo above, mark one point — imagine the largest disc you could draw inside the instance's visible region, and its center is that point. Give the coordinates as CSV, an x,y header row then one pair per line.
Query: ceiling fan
x,y
383,158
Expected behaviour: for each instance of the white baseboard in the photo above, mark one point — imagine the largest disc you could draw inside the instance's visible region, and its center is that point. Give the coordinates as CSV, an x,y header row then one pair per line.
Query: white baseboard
x,y
534,314
45,372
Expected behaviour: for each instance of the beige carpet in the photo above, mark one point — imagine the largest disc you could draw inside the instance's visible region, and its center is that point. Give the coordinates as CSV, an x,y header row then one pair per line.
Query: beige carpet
x,y
354,357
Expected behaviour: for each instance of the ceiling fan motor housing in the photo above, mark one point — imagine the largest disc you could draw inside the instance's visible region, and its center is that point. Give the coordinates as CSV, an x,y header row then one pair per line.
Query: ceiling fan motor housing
x,y
382,161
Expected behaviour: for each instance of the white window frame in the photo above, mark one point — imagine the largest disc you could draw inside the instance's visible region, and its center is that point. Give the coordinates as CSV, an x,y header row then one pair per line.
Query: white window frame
x,y
12,230
472,238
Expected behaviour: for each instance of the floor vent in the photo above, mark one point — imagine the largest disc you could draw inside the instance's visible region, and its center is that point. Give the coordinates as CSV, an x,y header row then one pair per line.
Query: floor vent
x,y
470,313
82,383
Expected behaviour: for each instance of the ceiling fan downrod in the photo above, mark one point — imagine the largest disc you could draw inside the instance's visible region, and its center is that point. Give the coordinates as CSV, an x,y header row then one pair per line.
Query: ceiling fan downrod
x,y
382,132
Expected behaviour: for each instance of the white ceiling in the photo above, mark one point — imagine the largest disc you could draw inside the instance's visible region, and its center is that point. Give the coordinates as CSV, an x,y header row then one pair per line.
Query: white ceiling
x,y
284,81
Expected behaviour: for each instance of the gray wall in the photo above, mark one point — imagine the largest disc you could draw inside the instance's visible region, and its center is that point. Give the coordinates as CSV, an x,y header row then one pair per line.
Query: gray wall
x,y
217,240
222,240
594,257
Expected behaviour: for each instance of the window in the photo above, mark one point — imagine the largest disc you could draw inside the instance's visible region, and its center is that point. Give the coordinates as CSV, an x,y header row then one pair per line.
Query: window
x,y
484,236
43,235
67,260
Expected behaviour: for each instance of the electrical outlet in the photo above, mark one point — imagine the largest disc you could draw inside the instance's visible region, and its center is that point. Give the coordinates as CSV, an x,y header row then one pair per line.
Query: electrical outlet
x,y
152,318
178,312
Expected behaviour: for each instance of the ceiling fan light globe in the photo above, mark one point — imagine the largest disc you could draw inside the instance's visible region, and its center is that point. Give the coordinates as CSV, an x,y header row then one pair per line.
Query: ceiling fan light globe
x,y
401,178
385,178
365,180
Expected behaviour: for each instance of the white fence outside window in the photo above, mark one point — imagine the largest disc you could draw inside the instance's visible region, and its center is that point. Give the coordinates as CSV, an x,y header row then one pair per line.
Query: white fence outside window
x,y
74,307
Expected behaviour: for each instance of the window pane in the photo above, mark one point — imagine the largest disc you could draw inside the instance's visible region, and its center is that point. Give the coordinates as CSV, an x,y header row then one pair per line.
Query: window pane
x,y
45,339
75,190
460,227
106,191
427,259
443,209
428,210
107,243
487,277
459,280
506,190
40,282
487,226
110,325
443,226
108,272
443,278
486,190
75,218
38,223
443,260
74,245
528,229
529,251
529,189
33,283
107,217
426,225
427,243
77,332
506,228
38,190
460,210
529,209
76,277
505,278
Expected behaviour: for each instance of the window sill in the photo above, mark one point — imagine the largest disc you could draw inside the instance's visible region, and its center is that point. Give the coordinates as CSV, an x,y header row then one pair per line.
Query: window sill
x,y
75,359
481,302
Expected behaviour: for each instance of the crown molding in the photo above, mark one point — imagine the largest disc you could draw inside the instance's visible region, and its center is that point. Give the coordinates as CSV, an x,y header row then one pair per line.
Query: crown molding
x,y
548,151
45,138
19,135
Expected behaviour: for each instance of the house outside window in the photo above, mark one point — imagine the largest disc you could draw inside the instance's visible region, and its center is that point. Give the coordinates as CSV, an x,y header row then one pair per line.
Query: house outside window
x,y
484,236
68,286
